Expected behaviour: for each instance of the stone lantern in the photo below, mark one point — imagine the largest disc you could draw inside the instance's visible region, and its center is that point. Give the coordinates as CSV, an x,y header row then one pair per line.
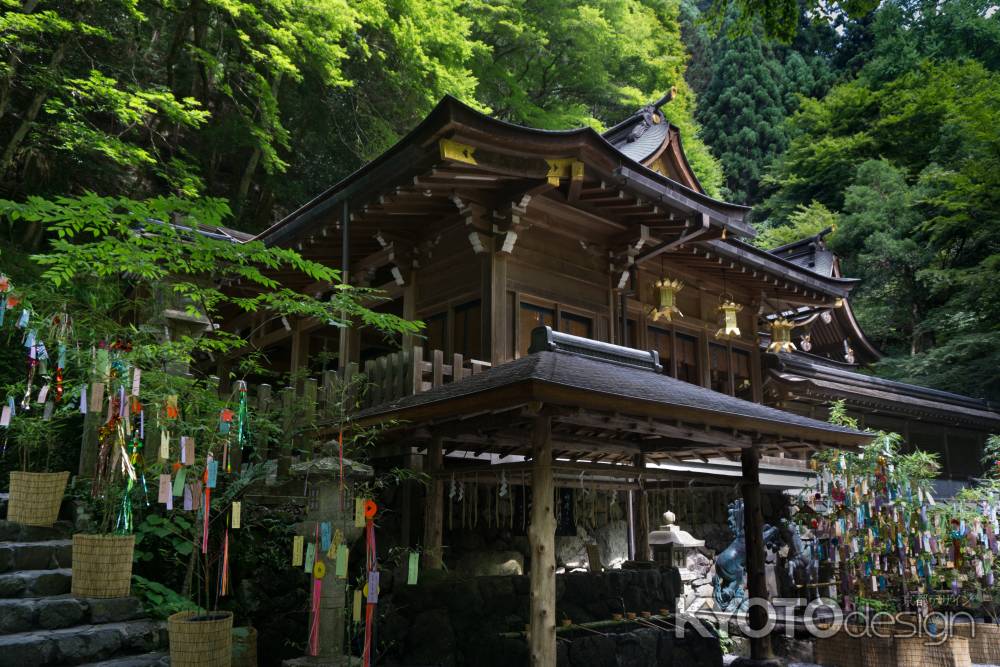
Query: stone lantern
x,y
671,545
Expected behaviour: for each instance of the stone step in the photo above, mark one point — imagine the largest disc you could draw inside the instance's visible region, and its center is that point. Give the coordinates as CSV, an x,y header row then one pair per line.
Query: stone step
x,y
35,583
159,659
63,611
16,532
44,555
81,644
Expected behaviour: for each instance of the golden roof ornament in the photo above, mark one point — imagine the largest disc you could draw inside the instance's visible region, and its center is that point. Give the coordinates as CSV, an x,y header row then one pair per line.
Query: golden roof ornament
x,y
781,336
730,328
667,290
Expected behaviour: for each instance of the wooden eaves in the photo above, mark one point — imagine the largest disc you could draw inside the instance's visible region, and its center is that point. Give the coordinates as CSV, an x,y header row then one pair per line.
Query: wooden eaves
x,y
600,411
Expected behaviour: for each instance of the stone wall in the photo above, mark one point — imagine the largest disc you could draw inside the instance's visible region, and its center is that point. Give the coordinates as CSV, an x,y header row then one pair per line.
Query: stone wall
x,y
451,621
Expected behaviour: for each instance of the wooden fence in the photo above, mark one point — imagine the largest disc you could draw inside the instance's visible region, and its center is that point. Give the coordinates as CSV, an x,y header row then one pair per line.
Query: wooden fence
x,y
404,373
304,413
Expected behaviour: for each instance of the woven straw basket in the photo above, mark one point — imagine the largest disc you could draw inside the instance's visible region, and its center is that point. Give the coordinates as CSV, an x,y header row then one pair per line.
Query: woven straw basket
x,y
915,652
35,497
244,647
205,642
984,647
839,650
875,651
102,565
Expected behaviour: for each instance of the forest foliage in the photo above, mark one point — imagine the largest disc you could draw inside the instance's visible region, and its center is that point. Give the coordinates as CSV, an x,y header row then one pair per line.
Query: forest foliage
x,y
267,102
878,121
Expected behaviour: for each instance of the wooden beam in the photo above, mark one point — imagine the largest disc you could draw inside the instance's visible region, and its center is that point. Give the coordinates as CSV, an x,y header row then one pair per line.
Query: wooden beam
x,y
434,509
668,434
753,523
542,540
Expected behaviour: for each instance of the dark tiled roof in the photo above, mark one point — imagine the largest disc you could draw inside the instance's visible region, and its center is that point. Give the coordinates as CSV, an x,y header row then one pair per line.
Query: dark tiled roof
x,y
810,253
604,377
650,137
847,381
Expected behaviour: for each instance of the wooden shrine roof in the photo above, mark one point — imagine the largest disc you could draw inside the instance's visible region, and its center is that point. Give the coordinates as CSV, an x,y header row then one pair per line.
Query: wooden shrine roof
x,y
462,170
512,151
810,377
600,405
831,331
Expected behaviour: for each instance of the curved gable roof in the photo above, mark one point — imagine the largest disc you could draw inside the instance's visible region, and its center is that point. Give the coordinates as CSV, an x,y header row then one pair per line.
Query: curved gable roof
x,y
451,117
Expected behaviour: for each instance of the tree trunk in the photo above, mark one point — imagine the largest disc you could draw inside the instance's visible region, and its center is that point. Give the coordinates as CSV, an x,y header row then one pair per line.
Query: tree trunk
x,y
247,179
541,537
32,113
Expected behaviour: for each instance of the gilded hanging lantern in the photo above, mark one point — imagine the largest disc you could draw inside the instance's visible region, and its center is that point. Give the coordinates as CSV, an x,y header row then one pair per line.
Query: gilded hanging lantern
x,y
781,336
730,328
806,343
848,352
667,291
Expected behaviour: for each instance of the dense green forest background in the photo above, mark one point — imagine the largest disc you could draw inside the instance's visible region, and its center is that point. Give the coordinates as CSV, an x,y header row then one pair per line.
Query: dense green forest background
x,y
880,122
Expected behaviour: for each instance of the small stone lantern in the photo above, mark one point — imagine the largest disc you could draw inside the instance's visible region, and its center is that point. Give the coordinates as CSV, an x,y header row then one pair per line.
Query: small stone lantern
x,y
671,545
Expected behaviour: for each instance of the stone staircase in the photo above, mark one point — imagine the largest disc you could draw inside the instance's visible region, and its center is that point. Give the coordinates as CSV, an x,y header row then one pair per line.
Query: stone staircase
x,y
42,624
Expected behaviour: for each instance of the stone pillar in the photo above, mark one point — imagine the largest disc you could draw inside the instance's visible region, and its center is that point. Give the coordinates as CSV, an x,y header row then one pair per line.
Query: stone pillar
x,y
323,498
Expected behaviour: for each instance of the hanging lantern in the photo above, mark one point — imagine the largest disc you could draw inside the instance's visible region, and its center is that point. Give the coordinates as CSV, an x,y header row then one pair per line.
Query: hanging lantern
x,y
806,343
781,336
667,290
848,352
730,328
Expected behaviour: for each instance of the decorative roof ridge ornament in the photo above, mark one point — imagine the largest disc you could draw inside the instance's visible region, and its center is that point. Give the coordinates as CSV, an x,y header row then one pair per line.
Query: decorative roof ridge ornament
x,y
781,336
651,115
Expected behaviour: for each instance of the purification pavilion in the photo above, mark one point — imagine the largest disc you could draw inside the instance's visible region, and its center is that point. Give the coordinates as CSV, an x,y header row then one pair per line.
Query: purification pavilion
x,y
590,313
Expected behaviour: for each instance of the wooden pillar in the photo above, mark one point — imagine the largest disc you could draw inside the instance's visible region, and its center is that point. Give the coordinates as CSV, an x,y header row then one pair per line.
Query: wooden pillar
x,y
496,329
753,528
288,423
349,350
299,362
410,308
542,541
434,508
640,509
412,462
350,340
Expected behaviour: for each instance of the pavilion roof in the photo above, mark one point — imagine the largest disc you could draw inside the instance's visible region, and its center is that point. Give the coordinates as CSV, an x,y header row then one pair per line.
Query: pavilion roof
x,y
601,405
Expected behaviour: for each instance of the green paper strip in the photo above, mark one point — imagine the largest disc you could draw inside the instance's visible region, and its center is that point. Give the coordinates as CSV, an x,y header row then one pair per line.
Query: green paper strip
x,y
310,557
342,555
179,482
411,575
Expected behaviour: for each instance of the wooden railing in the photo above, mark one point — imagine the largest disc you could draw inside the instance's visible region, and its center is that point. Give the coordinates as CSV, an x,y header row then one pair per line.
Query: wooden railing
x,y
304,412
404,373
